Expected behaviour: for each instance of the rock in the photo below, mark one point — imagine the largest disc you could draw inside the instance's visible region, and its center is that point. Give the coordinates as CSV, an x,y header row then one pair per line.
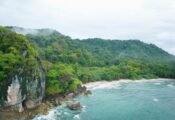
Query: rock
x,y
79,90
69,96
74,106
21,109
58,102
29,104
14,95
21,89
88,92
51,105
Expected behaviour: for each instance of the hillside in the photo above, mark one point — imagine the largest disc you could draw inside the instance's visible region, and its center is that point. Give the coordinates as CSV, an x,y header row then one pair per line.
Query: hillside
x,y
98,49
22,78
129,48
68,61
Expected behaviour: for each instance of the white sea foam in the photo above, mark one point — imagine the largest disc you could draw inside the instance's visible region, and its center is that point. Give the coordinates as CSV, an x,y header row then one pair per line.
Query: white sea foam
x,y
102,86
156,100
157,83
53,114
113,84
84,108
66,113
105,84
50,116
170,85
76,117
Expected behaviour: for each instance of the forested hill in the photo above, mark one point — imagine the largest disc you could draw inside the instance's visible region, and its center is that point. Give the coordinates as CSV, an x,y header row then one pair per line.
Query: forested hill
x,y
68,61
128,48
94,51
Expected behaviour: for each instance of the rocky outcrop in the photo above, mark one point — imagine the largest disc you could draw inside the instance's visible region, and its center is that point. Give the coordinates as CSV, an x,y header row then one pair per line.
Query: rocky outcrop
x,y
25,92
74,106
48,103
14,95
88,92
22,78
80,90
35,88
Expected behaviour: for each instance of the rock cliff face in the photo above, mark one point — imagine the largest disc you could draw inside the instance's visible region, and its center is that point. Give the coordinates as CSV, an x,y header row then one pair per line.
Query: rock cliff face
x,y
22,77
35,88
26,93
14,95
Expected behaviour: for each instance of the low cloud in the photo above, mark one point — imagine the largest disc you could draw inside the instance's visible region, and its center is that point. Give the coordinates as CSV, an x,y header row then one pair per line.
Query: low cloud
x,y
147,20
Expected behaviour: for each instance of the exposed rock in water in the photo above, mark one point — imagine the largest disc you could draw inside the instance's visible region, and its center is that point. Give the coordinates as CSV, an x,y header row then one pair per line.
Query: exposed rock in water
x,y
69,96
88,92
33,108
74,106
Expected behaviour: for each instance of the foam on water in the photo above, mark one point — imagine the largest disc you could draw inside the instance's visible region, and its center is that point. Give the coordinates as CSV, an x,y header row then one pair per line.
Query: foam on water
x,y
50,116
84,108
76,117
107,86
140,100
157,83
156,100
170,85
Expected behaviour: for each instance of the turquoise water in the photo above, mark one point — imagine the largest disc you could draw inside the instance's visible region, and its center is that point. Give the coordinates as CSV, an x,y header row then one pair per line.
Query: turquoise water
x,y
145,100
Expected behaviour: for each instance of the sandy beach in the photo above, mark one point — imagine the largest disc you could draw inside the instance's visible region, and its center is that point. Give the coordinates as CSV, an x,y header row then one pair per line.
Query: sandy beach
x,y
106,84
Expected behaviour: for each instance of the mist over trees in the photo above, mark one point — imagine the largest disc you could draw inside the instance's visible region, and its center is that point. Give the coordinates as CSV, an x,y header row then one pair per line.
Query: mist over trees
x,y
70,62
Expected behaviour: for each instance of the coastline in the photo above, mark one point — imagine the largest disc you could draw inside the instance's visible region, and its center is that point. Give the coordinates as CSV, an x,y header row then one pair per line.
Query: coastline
x,y
48,103
105,83
54,101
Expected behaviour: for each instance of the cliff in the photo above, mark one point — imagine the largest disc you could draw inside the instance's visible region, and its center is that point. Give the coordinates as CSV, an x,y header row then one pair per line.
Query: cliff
x,y
22,78
69,62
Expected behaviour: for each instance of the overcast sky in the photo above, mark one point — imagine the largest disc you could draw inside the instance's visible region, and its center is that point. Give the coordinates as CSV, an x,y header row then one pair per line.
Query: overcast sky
x,y
152,21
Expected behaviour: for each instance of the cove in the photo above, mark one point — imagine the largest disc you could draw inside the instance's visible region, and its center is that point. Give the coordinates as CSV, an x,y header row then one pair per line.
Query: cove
x,y
140,100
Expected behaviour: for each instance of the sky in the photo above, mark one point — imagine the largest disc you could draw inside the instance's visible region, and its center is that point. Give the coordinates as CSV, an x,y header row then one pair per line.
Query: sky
x,y
151,21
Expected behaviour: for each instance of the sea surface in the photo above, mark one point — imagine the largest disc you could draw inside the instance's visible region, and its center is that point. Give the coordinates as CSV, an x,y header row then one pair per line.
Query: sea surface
x,y
140,100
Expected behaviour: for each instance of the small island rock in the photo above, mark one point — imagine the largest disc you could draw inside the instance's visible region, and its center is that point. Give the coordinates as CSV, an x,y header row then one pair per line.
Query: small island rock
x,y
74,106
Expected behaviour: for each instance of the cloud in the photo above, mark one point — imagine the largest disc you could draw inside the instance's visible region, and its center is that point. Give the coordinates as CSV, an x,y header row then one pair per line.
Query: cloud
x,y
147,20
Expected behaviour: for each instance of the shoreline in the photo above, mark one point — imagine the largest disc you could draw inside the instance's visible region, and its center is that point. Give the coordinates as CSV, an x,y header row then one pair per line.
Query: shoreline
x,y
47,104
105,83
54,101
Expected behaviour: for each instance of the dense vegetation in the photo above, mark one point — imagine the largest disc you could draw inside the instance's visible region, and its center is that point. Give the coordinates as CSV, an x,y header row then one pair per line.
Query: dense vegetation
x,y
69,62
97,59
17,56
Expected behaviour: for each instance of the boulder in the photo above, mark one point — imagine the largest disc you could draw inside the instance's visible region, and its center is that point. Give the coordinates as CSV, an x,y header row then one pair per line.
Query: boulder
x,y
69,96
88,92
29,104
80,90
74,106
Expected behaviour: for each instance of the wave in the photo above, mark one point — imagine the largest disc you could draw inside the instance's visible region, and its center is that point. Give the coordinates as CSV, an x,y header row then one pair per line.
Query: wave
x,y
156,100
157,83
50,116
170,85
76,117
105,84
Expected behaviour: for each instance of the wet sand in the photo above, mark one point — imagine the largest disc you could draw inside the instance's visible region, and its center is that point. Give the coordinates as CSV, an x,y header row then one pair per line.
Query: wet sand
x,y
105,84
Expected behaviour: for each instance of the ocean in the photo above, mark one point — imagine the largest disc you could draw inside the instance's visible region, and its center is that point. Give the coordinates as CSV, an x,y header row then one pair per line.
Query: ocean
x,y
135,100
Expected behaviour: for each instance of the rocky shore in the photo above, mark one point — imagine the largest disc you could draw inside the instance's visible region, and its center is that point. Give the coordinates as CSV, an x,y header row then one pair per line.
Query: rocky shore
x,y
47,103
50,102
